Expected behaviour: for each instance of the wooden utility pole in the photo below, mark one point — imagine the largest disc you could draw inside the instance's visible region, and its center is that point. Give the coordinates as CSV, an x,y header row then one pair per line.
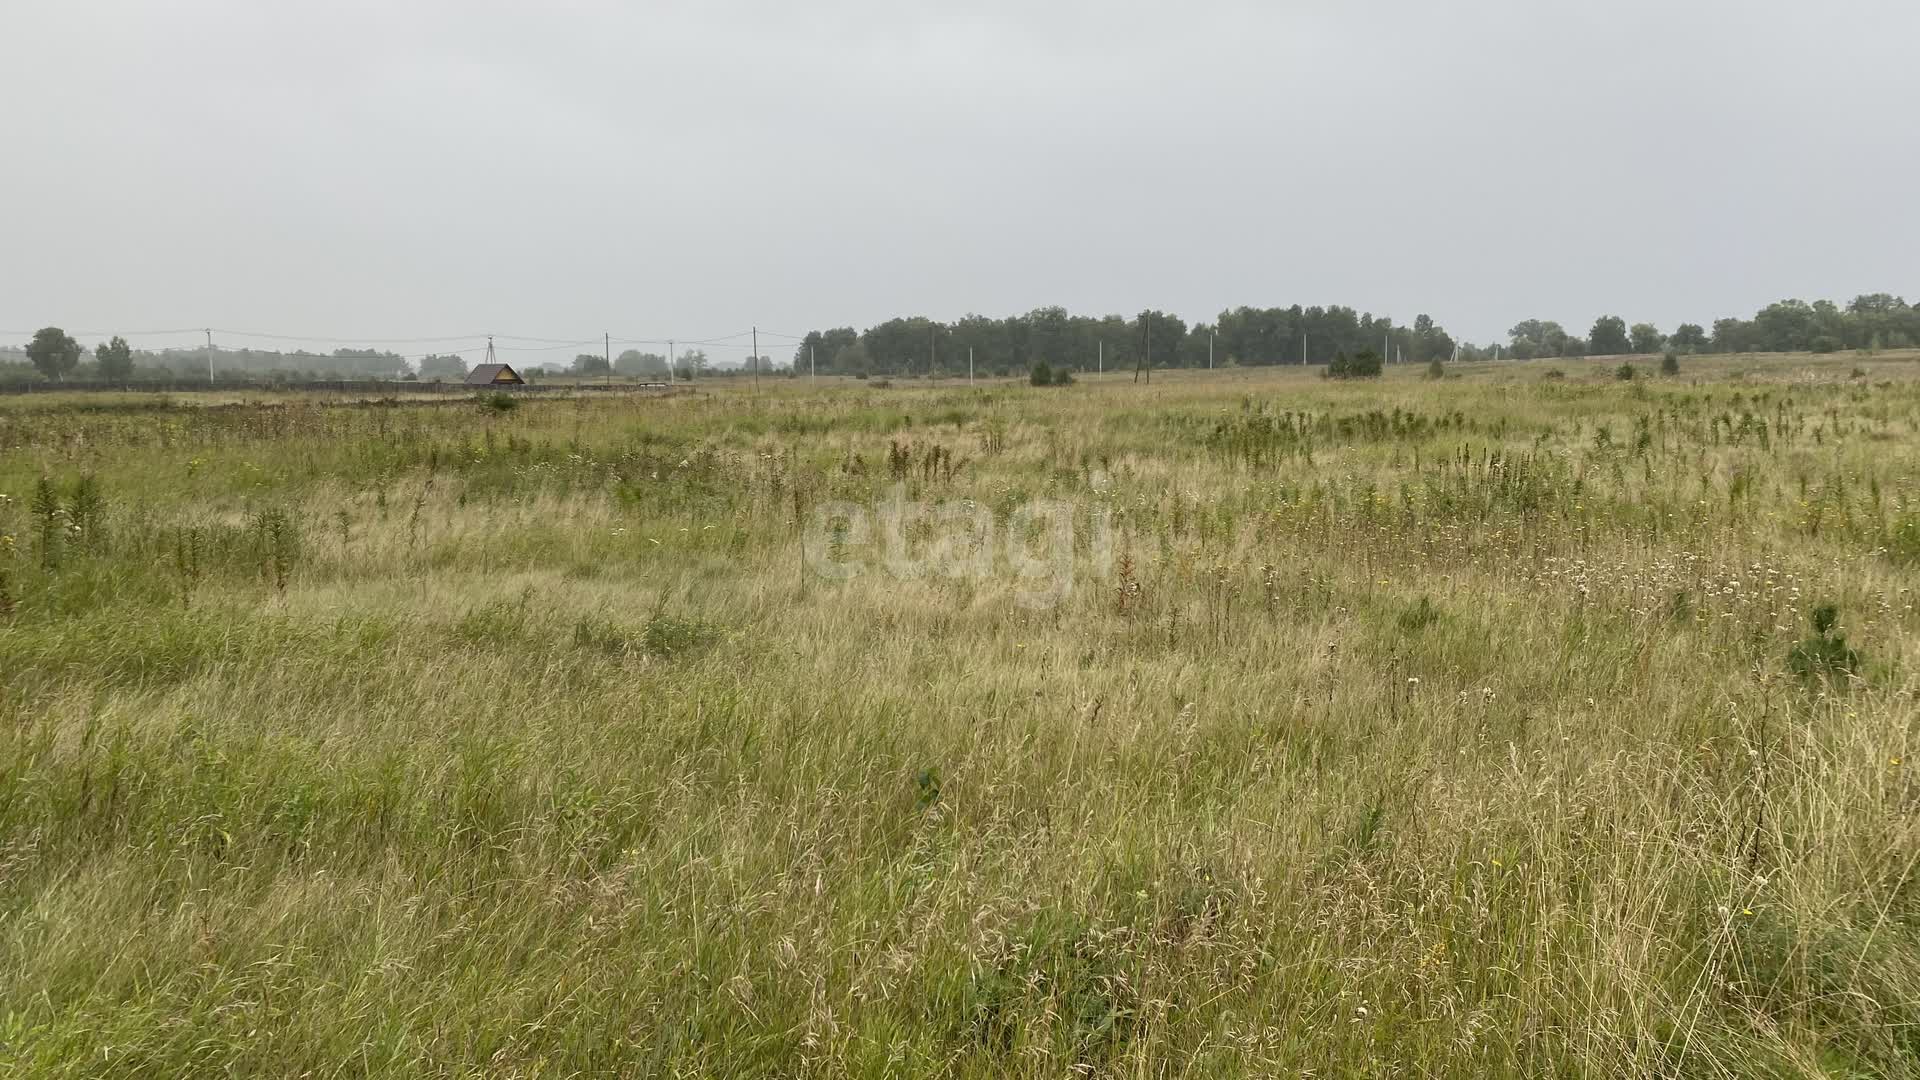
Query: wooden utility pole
x,y
209,356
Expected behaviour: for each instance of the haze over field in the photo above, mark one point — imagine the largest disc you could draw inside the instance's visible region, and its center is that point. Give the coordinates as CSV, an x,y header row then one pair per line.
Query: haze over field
x,y
440,168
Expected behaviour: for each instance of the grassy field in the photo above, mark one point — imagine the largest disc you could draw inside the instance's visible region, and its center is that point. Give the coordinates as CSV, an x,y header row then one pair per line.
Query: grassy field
x,y
1246,724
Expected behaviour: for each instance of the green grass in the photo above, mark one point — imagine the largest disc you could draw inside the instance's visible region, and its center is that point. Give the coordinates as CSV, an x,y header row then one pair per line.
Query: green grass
x,y
1457,727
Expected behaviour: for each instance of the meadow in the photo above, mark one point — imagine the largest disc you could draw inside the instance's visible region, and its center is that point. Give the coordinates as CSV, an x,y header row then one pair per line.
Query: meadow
x,y
1528,721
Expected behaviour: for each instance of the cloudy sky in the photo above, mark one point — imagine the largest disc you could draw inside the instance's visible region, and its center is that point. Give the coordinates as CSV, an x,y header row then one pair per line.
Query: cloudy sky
x,y
354,172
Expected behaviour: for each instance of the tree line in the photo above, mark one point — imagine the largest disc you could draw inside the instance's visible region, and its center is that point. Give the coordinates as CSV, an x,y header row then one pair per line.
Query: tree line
x,y
54,355
1870,321
1250,336
1064,341
1243,336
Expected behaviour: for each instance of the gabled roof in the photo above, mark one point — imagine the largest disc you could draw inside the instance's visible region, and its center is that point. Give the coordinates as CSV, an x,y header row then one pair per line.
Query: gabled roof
x,y
483,374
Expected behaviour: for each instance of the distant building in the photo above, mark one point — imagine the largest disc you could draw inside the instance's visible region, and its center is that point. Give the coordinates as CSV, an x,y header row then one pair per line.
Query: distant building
x,y
494,375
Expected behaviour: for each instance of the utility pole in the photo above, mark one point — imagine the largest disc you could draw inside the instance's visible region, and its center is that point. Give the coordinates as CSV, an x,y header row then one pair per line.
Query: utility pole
x,y
969,365
1303,348
1210,337
756,359
670,364
812,372
932,348
1146,354
1100,358
209,356
606,344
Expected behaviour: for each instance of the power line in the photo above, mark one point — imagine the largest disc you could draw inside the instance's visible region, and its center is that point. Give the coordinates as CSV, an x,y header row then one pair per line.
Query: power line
x,y
111,333
365,340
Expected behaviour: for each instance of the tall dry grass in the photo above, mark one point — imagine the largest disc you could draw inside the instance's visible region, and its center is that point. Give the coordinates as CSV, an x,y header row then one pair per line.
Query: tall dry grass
x,y
1439,728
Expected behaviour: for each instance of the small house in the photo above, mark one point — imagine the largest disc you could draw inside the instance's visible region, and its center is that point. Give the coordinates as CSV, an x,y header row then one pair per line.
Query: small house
x,y
494,375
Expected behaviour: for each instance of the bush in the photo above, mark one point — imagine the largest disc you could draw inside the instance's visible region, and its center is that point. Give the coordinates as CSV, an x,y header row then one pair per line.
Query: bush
x,y
1418,617
499,401
1364,364
1435,370
1670,364
1554,375
1042,375
1624,373
1826,344
1824,654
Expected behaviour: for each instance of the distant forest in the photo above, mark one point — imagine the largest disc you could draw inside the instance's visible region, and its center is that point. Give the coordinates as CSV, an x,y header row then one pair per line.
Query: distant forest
x,y
1246,336
1316,335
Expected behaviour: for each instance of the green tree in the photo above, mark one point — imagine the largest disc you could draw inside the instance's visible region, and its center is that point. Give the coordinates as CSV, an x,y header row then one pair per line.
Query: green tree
x,y
1732,335
1609,336
1688,336
1429,341
821,350
589,364
1646,338
1785,326
1537,337
452,366
115,358
53,352
635,362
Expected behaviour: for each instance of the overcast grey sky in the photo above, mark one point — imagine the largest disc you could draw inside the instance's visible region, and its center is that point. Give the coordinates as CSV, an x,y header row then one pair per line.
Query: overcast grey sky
x,y
393,170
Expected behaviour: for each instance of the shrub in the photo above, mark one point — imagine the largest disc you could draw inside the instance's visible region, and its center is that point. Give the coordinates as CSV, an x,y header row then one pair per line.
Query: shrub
x,y
1670,363
499,401
1418,617
1435,370
1364,364
1041,375
1624,373
1554,375
1823,654
1826,344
